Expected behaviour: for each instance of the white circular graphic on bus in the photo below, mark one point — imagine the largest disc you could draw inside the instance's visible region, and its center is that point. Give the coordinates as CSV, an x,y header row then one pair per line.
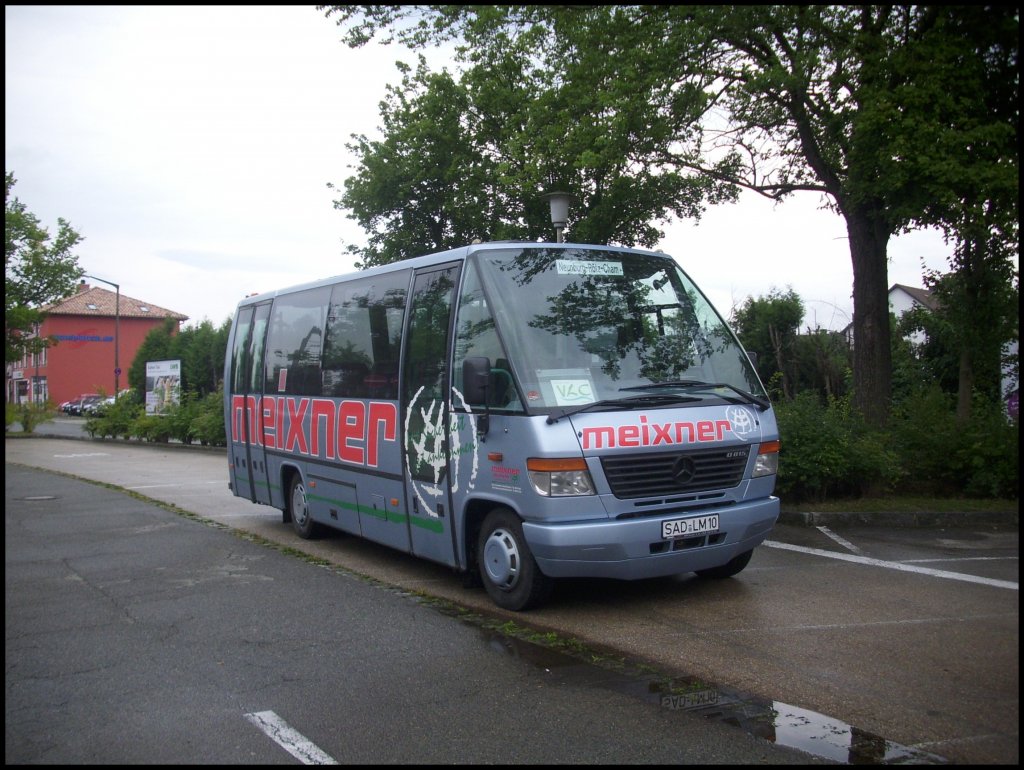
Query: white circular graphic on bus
x,y
426,447
743,422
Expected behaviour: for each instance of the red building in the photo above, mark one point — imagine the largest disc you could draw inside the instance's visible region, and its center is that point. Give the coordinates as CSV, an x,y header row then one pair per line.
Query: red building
x,y
92,327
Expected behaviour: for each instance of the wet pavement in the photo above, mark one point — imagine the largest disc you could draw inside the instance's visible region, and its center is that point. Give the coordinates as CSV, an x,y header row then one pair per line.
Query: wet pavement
x,y
856,642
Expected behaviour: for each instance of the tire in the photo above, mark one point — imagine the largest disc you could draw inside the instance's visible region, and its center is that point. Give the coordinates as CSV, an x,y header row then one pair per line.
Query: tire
x,y
507,568
298,511
728,569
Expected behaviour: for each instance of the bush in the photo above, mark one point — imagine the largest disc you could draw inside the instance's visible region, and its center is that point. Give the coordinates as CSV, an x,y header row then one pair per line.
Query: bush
x,y
116,420
31,414
942,456
990,451
827,450
208,426
192,420
179,417
152,427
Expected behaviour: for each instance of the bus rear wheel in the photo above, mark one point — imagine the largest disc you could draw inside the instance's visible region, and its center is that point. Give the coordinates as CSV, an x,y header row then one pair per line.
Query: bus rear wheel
x,y
507,568
298,510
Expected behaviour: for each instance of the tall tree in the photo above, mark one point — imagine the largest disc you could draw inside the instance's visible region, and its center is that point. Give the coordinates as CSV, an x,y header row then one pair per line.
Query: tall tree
x,y
38,270
157,346
416,189
467,159
974,196
776,99
201,348
768,326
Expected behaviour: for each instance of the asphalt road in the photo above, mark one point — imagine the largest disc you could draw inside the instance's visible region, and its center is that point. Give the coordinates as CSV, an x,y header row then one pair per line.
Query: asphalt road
x,y
883,643
134,635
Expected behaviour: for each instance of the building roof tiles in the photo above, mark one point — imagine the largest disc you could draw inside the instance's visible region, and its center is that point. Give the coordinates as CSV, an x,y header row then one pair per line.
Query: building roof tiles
x,y
94,301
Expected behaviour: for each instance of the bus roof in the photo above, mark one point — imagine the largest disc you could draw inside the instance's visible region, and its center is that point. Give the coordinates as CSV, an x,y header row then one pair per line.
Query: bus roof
x,y
440,257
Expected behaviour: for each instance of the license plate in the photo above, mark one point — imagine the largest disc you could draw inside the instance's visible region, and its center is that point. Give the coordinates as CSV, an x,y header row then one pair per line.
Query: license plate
x,y
690,700
698,525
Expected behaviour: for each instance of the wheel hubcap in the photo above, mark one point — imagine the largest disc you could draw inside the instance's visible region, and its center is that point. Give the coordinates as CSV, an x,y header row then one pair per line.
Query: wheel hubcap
x,y
501,559
299,505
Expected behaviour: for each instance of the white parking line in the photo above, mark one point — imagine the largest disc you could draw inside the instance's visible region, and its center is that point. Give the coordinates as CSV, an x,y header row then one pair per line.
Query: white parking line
x,y
966,558
289,739
841,540
894,565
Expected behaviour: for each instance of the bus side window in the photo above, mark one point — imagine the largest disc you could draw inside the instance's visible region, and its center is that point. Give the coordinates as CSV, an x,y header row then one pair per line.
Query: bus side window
x,y
364,337
477,335
294,343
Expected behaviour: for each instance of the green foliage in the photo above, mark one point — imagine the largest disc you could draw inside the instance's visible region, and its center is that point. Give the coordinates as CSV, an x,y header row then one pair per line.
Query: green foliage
x,y
829,450
155,347
208,425
152,427
201,350
116,420
942,455
38,270
823,363
898,116
178,418
30,414
768,326
471,158
978,311
194,419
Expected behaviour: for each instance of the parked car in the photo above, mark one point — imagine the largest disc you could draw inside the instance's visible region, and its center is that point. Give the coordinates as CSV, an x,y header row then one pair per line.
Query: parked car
x,y
97,407
91,408
77,408
67,406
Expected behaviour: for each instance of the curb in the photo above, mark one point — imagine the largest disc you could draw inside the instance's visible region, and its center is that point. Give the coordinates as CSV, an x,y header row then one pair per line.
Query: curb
x,y
952,519
123,442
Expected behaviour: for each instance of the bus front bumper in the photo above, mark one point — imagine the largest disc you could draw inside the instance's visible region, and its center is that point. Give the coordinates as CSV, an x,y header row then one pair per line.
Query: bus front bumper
x,y
633,549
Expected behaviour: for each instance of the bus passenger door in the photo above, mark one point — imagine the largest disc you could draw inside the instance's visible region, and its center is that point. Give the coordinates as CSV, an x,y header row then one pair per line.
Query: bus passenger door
x,y
249,473
425,401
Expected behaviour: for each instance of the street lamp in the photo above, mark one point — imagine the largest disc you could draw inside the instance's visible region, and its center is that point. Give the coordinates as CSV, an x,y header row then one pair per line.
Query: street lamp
x,y
117,332
559,202
35,380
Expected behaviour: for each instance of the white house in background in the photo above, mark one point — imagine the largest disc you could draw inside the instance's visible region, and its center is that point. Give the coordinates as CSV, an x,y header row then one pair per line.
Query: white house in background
x,y
904,298
901,299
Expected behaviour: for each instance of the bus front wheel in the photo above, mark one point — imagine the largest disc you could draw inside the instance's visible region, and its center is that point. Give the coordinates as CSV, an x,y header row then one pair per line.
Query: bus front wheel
x,y
508,570
298,510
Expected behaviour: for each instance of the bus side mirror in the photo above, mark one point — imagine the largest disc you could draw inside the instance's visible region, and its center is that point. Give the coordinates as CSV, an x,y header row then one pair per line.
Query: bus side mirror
x,y
476,375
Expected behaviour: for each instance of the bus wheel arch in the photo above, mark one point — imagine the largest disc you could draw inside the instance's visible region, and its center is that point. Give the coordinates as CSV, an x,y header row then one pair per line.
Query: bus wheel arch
x,y
506,566
288,473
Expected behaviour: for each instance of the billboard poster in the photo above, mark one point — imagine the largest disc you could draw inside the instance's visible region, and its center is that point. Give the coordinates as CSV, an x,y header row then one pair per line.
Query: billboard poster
x,y
163,383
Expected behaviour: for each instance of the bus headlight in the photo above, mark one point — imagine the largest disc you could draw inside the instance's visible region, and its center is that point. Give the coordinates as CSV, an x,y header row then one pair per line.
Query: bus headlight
x,y
560,477
767,461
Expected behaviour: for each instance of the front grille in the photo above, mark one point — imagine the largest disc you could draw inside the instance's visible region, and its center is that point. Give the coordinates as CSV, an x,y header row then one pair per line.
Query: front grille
x,y
645,475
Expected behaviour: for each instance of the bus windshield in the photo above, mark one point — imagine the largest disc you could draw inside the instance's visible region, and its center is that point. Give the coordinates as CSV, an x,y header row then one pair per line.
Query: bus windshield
x,y
591,325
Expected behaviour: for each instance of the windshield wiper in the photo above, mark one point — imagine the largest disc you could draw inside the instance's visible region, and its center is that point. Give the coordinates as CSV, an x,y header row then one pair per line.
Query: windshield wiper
x,y
628,402
697,385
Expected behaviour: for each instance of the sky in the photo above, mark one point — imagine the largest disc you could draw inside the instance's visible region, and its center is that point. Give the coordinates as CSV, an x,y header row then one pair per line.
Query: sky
x,y
192,147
